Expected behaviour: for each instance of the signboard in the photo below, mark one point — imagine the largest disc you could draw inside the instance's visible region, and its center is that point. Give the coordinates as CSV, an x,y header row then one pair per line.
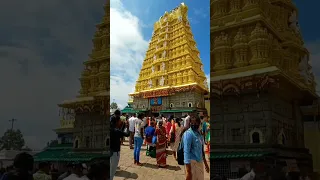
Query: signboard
x,y
156,108
156,94
156,101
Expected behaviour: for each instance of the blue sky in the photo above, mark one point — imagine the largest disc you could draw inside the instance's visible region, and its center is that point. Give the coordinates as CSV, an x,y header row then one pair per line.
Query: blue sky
x,y
146,13
310,28
309,24
150,11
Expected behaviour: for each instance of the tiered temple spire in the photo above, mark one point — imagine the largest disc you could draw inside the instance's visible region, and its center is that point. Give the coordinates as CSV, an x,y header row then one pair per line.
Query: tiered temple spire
x,y
95,76
172,59
243,40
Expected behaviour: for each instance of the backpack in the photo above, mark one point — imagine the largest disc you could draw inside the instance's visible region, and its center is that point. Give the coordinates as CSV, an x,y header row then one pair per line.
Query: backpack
x,y
180,152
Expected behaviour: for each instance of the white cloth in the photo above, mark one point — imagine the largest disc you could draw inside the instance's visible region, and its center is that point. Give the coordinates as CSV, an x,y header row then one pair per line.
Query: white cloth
x,y
187,122
85,177
144,121
131,123
40,175
114,162
138,124
73,177
249,176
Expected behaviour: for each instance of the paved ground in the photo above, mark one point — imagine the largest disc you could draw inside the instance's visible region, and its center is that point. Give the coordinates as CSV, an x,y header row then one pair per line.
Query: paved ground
x,y
149,170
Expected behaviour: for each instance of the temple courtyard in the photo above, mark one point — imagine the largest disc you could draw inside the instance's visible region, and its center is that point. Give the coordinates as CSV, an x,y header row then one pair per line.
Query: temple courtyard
x,y
149,170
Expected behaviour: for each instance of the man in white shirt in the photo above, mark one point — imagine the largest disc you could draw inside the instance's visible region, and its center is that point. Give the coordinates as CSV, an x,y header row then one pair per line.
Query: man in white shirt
x,y
138,138
76,173
131,129
43,173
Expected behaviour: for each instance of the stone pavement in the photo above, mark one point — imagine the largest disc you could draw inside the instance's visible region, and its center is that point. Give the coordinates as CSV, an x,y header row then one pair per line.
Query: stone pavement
x,y
149,171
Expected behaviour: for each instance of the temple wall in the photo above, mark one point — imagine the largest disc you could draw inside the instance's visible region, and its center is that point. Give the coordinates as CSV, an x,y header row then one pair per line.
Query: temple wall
x,y
179,100
92,131
234,120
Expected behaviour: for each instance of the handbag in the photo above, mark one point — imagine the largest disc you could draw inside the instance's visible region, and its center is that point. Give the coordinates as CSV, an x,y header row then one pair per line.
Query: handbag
x,y
180,153
126,132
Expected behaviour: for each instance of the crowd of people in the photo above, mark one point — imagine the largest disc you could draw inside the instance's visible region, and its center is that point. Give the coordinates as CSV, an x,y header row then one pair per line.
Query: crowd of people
x,y
23,169
188,137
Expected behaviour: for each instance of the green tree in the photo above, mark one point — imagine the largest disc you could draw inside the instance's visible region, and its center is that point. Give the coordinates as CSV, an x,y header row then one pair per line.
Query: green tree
x,y
114,105
12,139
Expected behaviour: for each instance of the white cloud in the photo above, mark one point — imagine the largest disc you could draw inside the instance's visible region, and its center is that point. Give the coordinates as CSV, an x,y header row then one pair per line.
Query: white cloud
x,y
208,79
127,52
314,49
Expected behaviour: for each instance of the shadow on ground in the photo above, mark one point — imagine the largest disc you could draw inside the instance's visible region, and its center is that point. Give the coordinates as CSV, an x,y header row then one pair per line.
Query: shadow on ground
x,y
126,174
154,166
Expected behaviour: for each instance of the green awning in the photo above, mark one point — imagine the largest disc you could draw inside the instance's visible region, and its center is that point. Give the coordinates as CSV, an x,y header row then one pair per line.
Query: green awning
x,y
128,109
66,155
235,155
176,110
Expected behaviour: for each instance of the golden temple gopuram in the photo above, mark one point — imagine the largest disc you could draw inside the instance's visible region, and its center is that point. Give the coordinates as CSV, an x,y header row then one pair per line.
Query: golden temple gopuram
x,y
171,79
260,78
84,127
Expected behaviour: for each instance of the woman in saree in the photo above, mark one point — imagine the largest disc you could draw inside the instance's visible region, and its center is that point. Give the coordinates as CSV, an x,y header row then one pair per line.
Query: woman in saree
x,y
161,154
175,131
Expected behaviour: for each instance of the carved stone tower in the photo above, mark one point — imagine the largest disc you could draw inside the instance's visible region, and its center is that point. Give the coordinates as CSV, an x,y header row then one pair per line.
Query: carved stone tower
x,y
90,109
260,76
171,79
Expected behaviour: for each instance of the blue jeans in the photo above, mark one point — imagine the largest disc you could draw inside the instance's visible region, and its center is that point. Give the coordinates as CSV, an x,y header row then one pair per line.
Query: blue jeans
x,y
114,161
137,148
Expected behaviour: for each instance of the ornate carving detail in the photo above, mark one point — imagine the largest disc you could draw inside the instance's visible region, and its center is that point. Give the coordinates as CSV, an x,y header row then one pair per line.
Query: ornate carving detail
x,y
260,45
150,83
240,49
162,81
163,66
235,6
294,23
222,52
305,70
152,69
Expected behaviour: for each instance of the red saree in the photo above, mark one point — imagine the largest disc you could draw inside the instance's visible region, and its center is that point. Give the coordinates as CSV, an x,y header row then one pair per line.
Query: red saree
x,y
161,147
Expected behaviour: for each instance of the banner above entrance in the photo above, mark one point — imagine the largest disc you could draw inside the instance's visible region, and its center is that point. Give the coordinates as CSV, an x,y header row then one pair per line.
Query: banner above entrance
x,y
156,101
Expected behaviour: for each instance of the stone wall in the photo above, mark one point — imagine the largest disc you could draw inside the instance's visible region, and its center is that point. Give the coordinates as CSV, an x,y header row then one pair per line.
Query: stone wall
x,y
236,118
92,131
179,100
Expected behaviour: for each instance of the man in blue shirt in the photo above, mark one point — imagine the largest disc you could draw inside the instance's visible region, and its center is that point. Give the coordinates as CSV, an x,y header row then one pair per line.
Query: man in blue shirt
x,y
194,156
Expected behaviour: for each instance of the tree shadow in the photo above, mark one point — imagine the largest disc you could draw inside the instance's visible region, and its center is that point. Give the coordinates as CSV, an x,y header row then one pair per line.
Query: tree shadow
x,y
126,174
148,165
154,166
